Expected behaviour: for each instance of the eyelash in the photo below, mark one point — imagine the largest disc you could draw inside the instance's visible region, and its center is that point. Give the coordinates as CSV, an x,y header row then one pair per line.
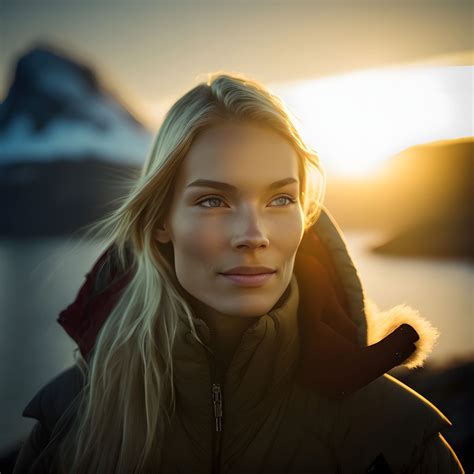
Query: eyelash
x,y
290,198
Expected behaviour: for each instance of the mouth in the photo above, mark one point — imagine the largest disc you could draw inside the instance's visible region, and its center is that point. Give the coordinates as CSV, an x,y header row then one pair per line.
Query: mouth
x,y
257,279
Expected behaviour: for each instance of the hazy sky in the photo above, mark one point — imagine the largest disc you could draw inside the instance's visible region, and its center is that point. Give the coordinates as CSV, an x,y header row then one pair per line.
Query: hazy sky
x,y
347,68
156,50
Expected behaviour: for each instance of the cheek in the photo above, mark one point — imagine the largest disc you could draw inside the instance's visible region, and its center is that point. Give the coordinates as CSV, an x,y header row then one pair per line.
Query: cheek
x,y
196,244
290,238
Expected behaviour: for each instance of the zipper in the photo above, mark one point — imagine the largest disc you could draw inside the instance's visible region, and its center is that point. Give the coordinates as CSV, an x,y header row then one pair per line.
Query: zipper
x,y
217,401
217,404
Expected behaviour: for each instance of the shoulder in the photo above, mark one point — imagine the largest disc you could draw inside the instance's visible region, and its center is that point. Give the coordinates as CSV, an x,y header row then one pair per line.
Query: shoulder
x,y
387,417
55,397
388,397
51,406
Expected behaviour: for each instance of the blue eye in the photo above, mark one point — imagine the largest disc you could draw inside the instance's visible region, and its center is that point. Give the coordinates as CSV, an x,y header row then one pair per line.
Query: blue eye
x,y
215,198
290,199
210,200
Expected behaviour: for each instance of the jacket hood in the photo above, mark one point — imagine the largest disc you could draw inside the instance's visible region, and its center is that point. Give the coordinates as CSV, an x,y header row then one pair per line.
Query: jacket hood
x,y
346,340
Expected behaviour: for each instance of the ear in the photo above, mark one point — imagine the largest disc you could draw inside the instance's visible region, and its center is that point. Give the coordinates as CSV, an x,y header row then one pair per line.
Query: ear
x,y
162,234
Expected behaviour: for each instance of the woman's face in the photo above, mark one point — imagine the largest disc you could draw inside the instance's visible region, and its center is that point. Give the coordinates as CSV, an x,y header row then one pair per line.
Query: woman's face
x,y
244,222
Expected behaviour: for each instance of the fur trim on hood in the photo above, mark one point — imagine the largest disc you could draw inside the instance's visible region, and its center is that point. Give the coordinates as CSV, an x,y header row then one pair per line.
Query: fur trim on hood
x,y
373,324
381,323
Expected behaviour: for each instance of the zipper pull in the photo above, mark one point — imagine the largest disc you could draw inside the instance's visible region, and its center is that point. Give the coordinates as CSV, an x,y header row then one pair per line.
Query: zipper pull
x,y
217,402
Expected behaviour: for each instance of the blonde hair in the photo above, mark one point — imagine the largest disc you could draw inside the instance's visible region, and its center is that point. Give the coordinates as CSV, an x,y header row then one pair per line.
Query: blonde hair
x,y
128,396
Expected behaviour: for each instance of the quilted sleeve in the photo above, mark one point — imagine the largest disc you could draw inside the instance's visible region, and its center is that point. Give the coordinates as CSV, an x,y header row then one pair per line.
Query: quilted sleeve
x,y
437,457
30,451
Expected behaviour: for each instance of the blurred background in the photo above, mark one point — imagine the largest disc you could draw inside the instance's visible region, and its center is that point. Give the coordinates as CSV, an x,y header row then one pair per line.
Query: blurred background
x,y
383,90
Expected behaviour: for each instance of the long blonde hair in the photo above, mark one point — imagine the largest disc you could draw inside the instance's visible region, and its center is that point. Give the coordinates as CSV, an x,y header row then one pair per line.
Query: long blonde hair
x,y
128,396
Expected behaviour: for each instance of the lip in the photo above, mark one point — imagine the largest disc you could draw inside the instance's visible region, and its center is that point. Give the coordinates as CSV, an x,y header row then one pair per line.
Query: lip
x,y
249,280
257,270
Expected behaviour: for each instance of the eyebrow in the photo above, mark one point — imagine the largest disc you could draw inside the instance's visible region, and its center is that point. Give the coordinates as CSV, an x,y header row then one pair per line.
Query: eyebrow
x,y
208,183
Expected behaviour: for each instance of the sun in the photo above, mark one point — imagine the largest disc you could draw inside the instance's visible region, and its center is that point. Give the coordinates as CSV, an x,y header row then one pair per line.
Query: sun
x,y
357,121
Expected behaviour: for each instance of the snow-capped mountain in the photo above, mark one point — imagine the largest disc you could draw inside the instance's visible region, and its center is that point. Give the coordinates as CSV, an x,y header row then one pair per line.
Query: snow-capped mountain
x,y
57,108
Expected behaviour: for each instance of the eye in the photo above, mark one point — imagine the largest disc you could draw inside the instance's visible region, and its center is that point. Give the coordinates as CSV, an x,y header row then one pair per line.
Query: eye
x,y
210,199
215,198
289,198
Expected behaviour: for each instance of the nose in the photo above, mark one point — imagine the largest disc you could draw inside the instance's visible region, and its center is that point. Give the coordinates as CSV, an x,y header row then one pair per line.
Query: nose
x,y
250,234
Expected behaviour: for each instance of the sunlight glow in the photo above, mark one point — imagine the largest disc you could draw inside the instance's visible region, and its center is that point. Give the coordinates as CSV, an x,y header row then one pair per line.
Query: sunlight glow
x,y
357,121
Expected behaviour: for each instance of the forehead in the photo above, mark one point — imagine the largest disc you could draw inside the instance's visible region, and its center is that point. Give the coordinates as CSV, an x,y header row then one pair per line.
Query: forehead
x,y
239,153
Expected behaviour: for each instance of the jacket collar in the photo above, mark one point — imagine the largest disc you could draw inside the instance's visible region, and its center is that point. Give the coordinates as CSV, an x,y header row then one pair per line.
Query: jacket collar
x,y
264,361
275,331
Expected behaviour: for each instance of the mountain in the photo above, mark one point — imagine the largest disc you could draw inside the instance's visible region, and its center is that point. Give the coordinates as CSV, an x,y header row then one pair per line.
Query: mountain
x,y
435,181
423,201
68,146
58,108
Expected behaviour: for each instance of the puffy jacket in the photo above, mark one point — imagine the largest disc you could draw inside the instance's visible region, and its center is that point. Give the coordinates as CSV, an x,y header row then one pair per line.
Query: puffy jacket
x,y
306,390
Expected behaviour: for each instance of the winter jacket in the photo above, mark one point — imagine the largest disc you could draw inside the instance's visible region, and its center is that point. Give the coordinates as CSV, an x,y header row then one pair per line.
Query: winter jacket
x,y
306,390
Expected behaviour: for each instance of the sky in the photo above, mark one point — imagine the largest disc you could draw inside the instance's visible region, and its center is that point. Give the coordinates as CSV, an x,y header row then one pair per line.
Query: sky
x,y
153,52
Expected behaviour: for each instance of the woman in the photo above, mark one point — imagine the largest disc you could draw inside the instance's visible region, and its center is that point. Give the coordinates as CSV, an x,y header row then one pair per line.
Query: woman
x,y
188,363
